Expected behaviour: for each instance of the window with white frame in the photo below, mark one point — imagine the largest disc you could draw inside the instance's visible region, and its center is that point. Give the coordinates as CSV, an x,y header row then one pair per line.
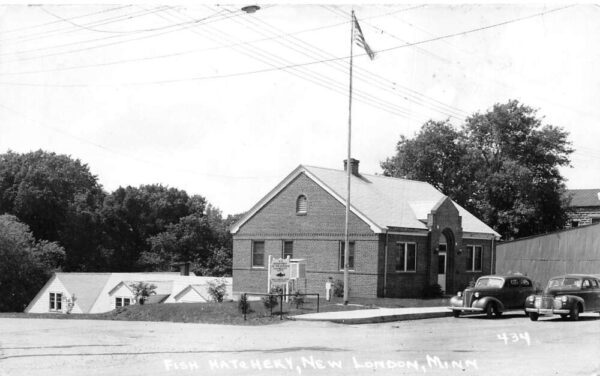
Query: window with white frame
x,y
474,258
301,205
288,249
122,302
350,256
258,254
55,301
406,257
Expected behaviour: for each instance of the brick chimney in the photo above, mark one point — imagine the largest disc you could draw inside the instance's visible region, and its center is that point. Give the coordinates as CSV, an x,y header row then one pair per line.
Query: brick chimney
x,y
353,166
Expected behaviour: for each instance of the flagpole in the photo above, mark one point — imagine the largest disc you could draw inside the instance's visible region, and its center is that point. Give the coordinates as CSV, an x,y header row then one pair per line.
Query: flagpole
x,y
348,168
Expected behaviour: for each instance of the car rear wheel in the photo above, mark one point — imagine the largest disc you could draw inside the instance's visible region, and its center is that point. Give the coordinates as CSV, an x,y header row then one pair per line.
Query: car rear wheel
x,y
575,313
489,310
533,316
456,313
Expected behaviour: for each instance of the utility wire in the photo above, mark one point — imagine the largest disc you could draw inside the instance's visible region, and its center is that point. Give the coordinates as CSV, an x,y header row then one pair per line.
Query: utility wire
x,y
307,49
68,29
316,78
166,29
196,50
289,66
37,124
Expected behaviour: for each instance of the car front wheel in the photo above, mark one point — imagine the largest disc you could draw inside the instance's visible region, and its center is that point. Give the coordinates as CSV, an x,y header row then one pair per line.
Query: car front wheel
x,y
575,313
456,313
533,316
489,310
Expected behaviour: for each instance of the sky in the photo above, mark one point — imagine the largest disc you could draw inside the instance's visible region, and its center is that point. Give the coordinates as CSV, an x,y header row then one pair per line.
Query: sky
x,y
224,103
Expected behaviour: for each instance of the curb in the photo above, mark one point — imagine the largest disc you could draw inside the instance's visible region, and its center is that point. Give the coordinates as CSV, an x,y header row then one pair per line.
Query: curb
x,y
379,319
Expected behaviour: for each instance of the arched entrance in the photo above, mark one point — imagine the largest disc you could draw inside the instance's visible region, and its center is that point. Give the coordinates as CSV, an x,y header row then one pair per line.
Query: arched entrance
x,y
445,250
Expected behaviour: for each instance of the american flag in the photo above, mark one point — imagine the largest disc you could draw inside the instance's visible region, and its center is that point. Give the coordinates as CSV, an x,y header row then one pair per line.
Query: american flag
x,y
359,38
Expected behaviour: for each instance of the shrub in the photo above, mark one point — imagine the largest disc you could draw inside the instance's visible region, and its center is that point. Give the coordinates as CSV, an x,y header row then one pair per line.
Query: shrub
x,y
297,300
142,291
244,305
338,288
433,291
217,290
271,300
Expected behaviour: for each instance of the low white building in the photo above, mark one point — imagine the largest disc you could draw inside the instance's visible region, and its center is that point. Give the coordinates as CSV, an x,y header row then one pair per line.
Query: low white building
x,y
103,292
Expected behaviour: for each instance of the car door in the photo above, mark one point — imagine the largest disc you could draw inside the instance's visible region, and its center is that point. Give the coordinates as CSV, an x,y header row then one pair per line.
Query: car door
x,y
525,290
588,293
511,295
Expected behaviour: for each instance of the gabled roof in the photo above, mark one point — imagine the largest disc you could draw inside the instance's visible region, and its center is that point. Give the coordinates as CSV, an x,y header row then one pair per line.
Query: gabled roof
x,y
584,197
197,288
162,287
382,202
85,286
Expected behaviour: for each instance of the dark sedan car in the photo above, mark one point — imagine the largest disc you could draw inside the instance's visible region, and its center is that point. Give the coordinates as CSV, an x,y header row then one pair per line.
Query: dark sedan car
x,y
567,295
493,294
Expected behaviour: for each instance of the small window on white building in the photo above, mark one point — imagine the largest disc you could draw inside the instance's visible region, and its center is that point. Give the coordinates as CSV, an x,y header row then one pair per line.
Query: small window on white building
x,y
122,302
55,301
301,205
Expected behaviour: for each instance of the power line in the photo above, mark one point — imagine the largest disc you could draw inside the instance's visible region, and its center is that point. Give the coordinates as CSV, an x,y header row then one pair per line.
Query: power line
x,y
121,153
167,29
312,51
122,61
289,66
316,78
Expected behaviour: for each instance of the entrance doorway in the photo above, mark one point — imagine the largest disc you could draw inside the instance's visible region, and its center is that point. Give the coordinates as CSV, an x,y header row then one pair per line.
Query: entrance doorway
x,y
442,270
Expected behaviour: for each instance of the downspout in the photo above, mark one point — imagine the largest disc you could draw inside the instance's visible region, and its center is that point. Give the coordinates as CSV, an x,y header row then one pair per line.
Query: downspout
x,y
385,263
492,271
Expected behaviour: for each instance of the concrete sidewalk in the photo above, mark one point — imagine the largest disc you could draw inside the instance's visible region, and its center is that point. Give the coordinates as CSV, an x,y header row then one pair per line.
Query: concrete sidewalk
x,y
369,316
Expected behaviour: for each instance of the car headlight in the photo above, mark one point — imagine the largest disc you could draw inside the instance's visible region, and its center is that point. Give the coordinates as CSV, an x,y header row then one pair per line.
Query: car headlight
x,y
476,295
459,294
564,298
531,298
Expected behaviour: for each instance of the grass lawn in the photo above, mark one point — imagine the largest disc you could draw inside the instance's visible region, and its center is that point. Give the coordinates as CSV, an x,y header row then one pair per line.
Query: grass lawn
x,y
228,313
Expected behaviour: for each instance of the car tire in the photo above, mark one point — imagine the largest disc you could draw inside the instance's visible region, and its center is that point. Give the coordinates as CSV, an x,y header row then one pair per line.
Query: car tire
x,y
497,312
533,316
489,310
564,316
456,313
574,315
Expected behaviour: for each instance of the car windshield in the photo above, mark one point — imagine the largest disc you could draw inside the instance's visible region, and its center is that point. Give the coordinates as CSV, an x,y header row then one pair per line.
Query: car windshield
x,y
490,282
564,282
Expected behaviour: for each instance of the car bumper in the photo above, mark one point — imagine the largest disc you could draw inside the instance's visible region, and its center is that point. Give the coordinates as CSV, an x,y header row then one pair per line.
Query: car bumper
x,y
466,309
548,311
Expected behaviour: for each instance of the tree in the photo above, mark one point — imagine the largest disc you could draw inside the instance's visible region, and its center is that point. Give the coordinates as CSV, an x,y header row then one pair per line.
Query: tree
x,y
501,165
143,290
25,264
53,194
132,216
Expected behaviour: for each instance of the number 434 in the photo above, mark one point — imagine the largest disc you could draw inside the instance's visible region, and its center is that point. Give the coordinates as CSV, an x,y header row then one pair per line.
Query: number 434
x,y
514,337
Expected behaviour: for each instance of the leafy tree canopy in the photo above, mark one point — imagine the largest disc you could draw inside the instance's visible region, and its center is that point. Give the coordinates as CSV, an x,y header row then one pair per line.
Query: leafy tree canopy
x,y
25,264
501,165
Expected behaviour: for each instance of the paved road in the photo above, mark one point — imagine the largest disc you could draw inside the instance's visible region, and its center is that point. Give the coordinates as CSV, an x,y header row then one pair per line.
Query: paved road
x,y
512,345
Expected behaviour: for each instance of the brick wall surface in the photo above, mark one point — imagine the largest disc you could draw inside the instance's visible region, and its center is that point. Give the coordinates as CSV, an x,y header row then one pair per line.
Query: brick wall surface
x,y
583,216
317,236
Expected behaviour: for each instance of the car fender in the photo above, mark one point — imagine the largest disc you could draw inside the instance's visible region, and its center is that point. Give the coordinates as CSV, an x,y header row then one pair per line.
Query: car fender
x,y
574,299
481,303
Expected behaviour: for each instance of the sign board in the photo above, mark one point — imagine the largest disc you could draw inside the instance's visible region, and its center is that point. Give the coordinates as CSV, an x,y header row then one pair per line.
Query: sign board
x,y
280,270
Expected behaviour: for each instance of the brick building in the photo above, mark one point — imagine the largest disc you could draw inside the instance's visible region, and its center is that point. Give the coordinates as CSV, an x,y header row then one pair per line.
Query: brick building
x,y
404,235
584,208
